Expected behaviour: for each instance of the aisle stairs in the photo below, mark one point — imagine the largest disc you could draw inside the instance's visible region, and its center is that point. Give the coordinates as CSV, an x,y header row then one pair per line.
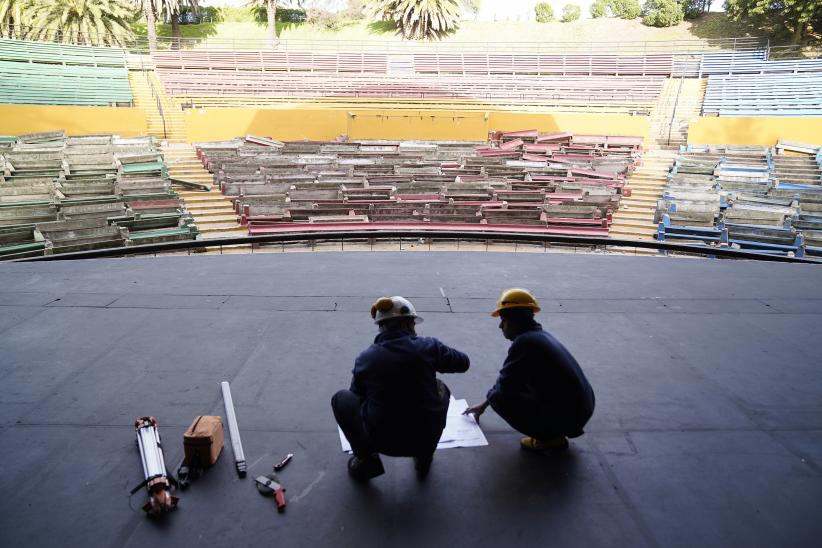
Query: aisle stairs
x,y
212,212
681,100
635,218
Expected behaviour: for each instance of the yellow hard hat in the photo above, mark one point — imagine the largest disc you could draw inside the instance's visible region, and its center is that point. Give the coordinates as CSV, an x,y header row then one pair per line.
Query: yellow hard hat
x,y
516,298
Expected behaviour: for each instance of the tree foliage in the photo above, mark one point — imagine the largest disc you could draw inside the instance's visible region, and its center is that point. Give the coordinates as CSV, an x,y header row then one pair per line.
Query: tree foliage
x,y
599,8
694,8
104,22
13,14
544,12
625,9
419,19
269,9
570,12
661,13
784,16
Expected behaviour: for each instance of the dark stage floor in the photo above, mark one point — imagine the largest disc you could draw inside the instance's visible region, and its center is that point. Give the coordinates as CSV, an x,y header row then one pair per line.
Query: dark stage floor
x,y
708,376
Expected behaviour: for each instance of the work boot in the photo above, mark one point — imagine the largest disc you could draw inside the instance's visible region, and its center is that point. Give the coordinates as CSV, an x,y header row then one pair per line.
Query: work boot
x,y
560,443
423,465
365,468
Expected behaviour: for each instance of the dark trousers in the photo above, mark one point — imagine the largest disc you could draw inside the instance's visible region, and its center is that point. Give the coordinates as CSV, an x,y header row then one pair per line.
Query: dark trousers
x,y
527,416
347,407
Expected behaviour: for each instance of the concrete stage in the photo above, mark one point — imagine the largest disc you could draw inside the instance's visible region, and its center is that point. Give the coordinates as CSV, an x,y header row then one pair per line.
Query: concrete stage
x,y
708,376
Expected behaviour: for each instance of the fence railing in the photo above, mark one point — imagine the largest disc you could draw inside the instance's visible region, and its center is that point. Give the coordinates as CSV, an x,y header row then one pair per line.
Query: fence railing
x,y
411,236
638,47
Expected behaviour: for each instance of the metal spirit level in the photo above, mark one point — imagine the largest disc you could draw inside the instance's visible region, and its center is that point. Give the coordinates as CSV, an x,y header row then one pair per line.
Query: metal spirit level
x,y
233,430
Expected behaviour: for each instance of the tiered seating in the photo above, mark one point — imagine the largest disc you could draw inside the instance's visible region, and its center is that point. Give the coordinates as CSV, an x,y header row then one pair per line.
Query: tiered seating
x,y
523,181
60,194
272,61
754,62
539,64
462,63
246,88
41,73
741,196
764,95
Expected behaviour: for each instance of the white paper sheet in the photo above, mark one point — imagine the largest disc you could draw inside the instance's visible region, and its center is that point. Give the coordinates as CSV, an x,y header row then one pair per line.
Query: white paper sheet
x,y
460,430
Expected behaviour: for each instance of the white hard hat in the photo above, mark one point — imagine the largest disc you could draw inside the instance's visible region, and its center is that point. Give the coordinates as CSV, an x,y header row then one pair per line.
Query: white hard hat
x,y
388,308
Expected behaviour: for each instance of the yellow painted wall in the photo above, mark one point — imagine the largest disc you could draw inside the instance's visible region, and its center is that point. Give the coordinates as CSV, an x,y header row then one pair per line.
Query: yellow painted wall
x,y
440,125
21,119
754,130
285,124
603,124
329,123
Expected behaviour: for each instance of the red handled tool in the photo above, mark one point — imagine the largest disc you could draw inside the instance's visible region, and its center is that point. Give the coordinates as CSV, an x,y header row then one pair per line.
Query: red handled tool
x,y
270,486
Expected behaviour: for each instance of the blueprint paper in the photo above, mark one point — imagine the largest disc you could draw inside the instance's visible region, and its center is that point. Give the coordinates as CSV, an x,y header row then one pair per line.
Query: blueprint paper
x,y
460,430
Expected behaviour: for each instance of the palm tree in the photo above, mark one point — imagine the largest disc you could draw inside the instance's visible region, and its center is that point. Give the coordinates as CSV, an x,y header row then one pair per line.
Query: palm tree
x,y
418,19
83,21
164,9
13,14
174,14
150,10
270,7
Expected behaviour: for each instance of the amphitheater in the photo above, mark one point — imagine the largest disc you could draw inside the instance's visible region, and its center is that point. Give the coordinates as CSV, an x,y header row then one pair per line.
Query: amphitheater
x,y
175,218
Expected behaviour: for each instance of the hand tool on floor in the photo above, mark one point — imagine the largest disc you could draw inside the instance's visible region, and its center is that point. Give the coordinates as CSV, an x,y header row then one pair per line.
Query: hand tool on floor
x,y
157,481
282,464
233,430
270,486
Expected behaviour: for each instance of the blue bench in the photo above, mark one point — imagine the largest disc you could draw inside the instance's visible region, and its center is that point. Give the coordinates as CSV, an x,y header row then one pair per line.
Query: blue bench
x,y
766,239
764,95
666,230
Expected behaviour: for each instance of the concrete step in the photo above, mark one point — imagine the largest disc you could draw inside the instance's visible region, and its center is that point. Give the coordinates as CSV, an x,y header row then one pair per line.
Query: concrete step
x,y
637,191
220,228
214,219
639,188
638,208
646,217
225,233
190,166
630,232
214,194
650,175
191,174
212,210
642,224
646,202
204,199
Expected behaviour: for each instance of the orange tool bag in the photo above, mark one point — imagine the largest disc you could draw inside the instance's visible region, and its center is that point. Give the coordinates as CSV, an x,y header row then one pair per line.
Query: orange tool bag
x,y
203,441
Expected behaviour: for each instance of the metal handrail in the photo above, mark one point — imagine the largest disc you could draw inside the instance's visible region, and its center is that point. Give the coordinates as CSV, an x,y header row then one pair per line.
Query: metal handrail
x,y
415,234
155,94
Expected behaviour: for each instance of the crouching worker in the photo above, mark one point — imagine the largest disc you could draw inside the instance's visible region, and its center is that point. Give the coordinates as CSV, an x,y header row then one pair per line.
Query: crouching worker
x,y
541,390
396,406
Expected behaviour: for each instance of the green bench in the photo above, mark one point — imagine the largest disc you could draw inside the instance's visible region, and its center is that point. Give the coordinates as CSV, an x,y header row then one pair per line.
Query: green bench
x,y
20,241
164,235
19,251
65,54
33,83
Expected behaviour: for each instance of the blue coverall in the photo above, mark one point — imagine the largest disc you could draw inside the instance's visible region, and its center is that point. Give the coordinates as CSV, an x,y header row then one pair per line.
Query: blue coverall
x,y
396,405
541,391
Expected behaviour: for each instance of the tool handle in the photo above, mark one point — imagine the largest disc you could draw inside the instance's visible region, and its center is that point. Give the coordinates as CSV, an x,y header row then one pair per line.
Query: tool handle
x,y
279,496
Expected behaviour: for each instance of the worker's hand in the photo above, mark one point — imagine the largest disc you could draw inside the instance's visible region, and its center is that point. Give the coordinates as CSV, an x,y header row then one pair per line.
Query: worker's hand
x,y
476,410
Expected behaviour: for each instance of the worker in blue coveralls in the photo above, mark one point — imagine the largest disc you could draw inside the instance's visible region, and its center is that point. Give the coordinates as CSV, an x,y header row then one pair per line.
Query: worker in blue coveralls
x,y
396,406
541,391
